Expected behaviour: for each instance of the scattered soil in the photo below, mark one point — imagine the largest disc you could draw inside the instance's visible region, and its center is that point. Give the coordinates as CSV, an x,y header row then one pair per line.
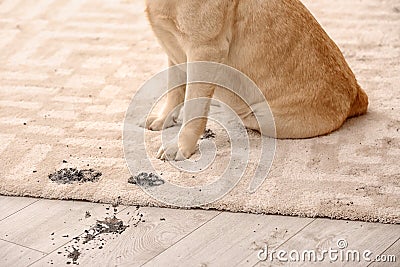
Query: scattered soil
x,y
73,255
146,179
97,236
208,134
110,225
70,175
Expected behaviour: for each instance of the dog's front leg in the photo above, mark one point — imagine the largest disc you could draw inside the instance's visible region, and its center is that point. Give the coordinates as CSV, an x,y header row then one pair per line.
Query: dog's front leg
x,y
196,107
170,111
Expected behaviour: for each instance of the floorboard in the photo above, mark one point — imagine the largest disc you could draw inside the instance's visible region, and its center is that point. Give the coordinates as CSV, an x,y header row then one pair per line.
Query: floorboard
x,y
39,233
15,255
324,234
11,205
391,256
48,224
229,240
158,230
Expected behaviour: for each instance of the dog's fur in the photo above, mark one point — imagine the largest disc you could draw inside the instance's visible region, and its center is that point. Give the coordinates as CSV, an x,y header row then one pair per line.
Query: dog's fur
x,y
277,43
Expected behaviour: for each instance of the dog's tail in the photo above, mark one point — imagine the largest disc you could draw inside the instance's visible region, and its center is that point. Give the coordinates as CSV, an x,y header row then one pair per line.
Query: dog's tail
x,y
360,104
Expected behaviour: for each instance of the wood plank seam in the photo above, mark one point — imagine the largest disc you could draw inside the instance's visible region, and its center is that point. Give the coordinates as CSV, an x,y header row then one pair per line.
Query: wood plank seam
x,y
8,216
11,242
397,240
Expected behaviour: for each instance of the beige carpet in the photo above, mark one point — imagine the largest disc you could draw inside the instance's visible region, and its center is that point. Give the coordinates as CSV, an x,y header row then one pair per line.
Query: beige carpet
x,y
70,68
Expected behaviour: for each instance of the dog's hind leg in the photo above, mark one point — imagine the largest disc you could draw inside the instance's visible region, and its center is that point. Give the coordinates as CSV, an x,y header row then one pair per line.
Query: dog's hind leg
x,y
293,122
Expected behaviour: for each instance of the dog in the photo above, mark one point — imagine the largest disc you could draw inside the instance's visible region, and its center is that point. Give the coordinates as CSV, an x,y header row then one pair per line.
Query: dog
x,y
278,44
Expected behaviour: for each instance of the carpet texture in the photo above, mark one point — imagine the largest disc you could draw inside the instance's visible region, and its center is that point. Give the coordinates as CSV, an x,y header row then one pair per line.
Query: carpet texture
x,y
69,70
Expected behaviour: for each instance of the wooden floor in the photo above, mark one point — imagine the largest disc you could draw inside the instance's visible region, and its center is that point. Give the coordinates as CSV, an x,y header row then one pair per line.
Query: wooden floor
x,y
36,232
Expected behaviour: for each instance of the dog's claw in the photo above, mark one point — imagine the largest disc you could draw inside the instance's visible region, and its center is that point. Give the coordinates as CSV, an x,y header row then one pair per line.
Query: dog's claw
x,y
156,123
173,152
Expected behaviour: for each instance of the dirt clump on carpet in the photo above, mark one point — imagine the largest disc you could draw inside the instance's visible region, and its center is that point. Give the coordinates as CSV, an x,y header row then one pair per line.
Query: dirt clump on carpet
x,y
208,134
71,175
146,180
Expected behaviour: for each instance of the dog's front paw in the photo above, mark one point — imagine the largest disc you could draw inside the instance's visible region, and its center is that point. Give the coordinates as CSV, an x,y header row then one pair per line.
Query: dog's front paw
x,y
156,123
172,151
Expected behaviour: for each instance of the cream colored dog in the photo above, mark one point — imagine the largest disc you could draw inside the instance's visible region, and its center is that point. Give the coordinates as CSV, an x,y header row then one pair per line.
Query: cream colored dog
x,y
278,44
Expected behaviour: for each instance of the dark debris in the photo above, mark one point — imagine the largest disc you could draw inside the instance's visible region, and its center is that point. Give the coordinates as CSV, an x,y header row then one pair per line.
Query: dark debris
x,y
208,134
146,180
74,255
70,175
